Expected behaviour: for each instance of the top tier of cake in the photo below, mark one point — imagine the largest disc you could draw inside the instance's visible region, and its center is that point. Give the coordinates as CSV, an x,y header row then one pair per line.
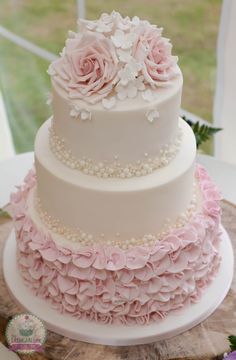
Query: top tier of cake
x,y
116,93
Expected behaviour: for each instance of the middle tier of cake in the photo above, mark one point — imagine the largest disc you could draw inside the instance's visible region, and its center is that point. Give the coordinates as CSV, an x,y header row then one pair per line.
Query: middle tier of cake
x,y
87,208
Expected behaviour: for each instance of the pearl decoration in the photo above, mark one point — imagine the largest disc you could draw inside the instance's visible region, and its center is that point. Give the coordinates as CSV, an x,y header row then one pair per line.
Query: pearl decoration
x,y
103,169
79,236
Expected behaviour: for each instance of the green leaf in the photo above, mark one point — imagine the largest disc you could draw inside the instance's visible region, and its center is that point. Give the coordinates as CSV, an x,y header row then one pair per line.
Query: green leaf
x,y
4,214
202,132
232,341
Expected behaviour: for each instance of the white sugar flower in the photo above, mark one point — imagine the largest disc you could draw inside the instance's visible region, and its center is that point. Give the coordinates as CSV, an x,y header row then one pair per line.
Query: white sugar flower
x,y
139,83
105,24
85,114
63,52
135,21
125,76
104,28
91,25
87,24
122,40
124,24
128,91
110,19
124,55
129,72
147,95
75,111
71,34
152,115
51,70
109,103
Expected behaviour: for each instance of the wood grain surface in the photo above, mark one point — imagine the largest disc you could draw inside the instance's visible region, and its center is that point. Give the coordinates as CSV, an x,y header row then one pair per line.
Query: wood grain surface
x,y
205,341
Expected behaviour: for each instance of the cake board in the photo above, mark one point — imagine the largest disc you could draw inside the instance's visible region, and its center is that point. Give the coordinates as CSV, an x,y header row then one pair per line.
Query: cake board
x,y
118,335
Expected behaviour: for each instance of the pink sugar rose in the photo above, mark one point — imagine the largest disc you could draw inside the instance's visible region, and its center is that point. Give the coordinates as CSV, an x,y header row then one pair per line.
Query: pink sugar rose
x,y
154,53
87,68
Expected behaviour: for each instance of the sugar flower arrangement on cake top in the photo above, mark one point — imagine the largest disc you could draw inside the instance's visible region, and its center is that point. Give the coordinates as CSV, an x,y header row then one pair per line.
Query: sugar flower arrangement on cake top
x,y
114,58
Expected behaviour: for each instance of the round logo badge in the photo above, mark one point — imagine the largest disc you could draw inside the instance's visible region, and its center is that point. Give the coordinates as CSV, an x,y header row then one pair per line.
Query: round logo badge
x,y
25,333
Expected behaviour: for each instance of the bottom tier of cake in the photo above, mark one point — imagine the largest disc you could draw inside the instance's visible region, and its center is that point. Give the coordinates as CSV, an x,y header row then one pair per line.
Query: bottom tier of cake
x,y
112,285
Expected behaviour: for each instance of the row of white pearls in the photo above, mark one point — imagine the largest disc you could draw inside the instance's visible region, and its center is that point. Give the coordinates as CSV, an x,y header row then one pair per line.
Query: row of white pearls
x,y
110,170
79,236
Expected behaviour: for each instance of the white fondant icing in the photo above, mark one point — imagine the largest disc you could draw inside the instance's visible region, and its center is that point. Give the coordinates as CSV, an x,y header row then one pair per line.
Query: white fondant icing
x,y
124,130
128,206
77,235
114,169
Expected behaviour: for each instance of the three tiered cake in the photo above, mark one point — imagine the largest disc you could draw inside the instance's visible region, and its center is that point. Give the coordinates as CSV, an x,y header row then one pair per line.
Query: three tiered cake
x,y
117,223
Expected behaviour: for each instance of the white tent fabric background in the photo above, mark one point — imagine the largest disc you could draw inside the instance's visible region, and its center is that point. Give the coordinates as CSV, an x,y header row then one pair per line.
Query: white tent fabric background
x,y
225,94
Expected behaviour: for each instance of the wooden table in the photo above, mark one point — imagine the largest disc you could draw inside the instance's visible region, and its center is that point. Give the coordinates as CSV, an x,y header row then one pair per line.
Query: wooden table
x,y
206,341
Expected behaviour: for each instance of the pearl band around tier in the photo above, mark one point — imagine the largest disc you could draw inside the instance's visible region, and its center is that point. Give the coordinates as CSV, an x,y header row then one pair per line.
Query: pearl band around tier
x,y
104,169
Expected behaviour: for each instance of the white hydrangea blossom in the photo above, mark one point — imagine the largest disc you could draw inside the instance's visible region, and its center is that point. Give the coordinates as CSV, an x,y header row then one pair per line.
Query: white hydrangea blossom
x,y
109,103
83,114
129,72
152,115
128,91
124,55
122,40
147,95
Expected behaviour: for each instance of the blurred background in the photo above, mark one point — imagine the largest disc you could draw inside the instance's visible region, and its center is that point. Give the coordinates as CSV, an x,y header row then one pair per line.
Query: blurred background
x,y
191,25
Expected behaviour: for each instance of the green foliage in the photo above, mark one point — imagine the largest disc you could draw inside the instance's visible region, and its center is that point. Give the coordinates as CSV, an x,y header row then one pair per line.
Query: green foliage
x,y
232,341
202,132
4,214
